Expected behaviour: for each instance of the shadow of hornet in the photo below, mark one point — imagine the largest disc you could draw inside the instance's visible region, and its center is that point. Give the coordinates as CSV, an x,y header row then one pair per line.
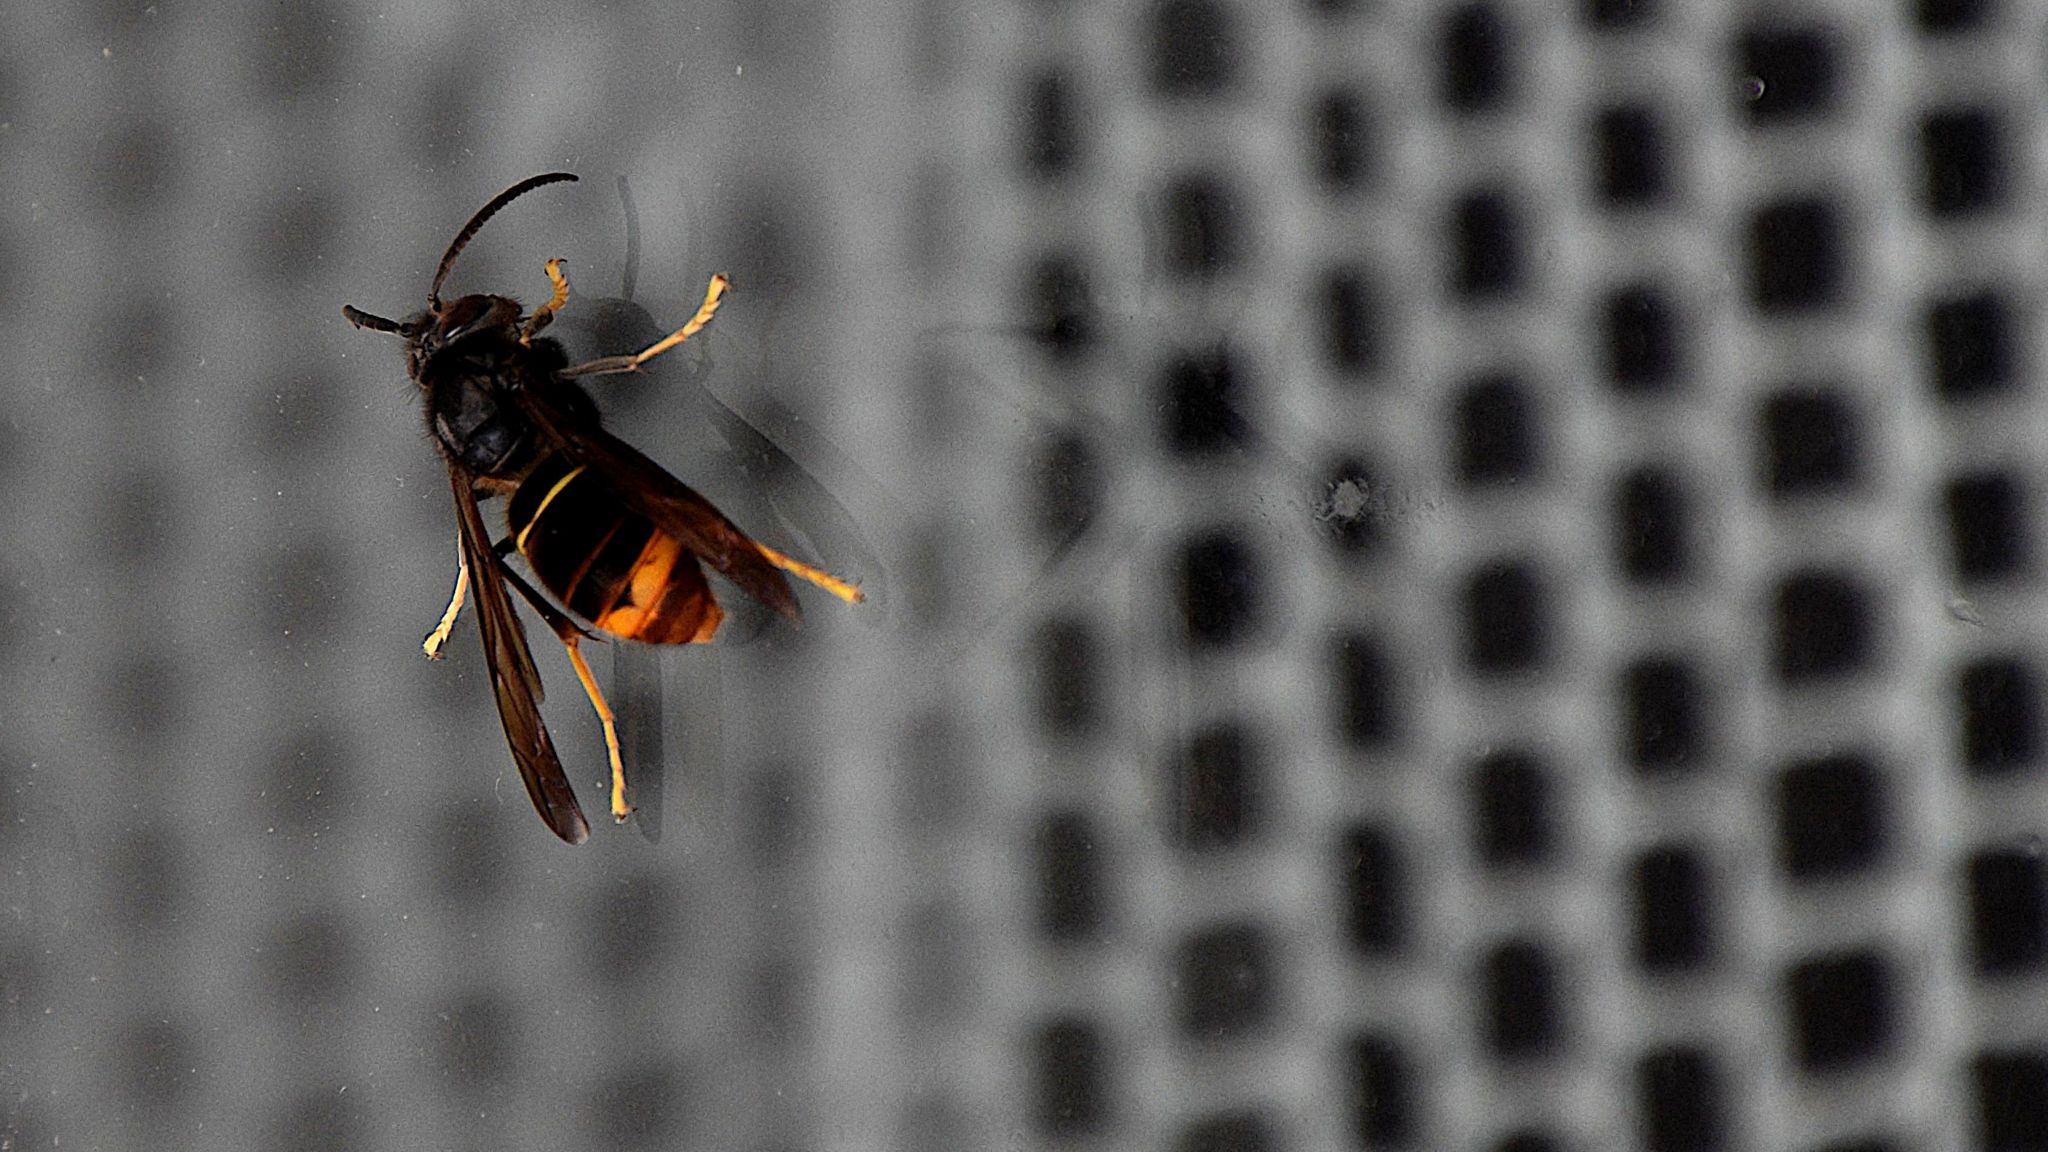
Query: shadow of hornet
x,y
749,468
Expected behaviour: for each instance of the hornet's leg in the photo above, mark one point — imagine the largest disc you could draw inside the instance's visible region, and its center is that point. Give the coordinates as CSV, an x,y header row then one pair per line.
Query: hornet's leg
x,y
846,591
621,807
438,638
571,636
609,365
546,312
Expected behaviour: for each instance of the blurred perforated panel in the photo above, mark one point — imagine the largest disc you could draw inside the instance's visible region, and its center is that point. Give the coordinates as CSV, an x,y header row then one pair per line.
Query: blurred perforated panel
x,y
1444,575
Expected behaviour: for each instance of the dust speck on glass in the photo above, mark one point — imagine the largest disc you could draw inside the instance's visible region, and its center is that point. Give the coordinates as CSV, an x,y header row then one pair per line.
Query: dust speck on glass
x,y
1442,574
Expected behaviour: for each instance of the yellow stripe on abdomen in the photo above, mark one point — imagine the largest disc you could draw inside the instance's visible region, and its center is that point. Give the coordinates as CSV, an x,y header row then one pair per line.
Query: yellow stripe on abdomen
x,y
554,491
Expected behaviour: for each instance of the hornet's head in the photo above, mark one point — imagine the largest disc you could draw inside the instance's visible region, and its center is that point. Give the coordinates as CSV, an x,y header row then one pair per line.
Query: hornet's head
x,y
442,325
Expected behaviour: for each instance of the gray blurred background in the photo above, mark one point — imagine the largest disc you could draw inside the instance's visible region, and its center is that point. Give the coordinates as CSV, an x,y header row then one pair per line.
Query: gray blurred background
x,y
1445,575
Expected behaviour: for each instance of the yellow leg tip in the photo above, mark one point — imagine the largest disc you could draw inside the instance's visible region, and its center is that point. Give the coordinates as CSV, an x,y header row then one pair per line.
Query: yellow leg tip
x,y
436,643
844,589
705,311
544,314
620,807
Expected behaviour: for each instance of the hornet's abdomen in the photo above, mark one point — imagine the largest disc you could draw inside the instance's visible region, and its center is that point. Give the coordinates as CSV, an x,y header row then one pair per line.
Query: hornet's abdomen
x,y
605,562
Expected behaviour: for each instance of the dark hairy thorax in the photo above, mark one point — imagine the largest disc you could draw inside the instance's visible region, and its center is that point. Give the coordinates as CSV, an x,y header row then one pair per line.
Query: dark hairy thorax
x,y
468,360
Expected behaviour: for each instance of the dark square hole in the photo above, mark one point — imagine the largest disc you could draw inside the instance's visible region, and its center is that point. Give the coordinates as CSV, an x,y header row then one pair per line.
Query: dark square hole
x,y
148,697
1340,141
1507,621
2001,719
1862,1144
1946,17
157,1062
1511,816
1200,406
1375,892
1071,899
1354,327
1798,257
1674,915
477,1042
776,996
640,1107
312,779
1072,1061
1230,1132
1794,74
1524,1019
149,871
930,1120
295,57
1972,342
935,965
1987,526
303,591
1620,15
1652,527
1486,247
2012,1101
1052,126
1831,818
1681,1101
287,240
312,960
2008,897
936,983
1381,1079
149,322
1217,590
1824,626
470,864
1810,442
630,934
1369,700
1641,333
1477,58
1215,787
1497,436
1840,1011
1195,50
1061,319
323,1120
139,514
1965,160
1227,983
1203,229
1067,486
1069,680
1631,165
1663,708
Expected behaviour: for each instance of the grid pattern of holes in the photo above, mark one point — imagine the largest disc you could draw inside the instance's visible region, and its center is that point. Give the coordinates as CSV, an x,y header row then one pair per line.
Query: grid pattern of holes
x,y
1727,430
